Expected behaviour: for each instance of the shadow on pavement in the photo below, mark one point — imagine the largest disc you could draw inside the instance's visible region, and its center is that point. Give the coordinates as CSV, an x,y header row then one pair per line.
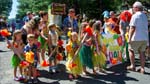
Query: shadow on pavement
x,y
3,51
56,82
118,76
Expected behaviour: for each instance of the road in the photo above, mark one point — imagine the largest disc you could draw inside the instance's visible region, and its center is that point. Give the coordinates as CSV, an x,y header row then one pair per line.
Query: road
x,y
115,75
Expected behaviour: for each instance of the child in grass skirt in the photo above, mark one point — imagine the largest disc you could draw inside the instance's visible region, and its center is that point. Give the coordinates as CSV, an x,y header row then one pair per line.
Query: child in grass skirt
x,y
18,46
99,58
75,67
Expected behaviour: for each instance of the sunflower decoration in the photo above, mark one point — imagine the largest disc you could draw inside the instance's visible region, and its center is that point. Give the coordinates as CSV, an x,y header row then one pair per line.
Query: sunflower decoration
x,y
29,56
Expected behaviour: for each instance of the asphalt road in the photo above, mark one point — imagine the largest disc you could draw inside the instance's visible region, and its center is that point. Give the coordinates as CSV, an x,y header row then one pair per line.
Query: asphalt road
x,y
115,75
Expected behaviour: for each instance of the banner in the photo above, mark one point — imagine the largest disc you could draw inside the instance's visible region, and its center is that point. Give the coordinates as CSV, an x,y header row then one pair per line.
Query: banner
x,y
113,46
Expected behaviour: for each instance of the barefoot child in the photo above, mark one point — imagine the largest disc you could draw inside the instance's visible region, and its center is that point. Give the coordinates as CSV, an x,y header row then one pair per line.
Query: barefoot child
x,y
99,59
71,48
18,45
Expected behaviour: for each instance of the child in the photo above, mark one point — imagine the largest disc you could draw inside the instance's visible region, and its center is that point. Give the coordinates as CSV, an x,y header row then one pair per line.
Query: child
x,y
31,47
18,45
36,32
53,42
99,58
74,44
44,40
85,51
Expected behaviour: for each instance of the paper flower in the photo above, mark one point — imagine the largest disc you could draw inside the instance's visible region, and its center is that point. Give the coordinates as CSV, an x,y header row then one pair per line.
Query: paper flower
x,y
5,33
119,40
125,16
89,31
68,48
60,43
8,46
72,65
24,64
29,56
69,33
15,45
45,64
114,61
104,49
59,57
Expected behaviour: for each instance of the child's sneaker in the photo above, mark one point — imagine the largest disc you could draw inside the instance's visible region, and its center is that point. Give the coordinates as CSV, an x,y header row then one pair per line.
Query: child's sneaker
x,y
21,77
29,81
16,79
35,80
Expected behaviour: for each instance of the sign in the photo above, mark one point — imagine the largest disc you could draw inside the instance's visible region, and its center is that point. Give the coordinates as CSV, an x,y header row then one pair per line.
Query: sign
x,y
58,9
114,49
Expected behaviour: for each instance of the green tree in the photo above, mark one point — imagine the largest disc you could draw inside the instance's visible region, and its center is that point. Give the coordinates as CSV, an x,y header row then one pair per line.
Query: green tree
x,y
92,8
5,7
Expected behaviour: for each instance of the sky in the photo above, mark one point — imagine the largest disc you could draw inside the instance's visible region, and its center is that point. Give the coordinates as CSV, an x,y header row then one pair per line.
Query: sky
x,y
14,9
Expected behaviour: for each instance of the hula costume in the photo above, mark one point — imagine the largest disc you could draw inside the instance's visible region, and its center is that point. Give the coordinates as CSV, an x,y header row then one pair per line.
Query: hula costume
x,y
15,61
86,56
98,59
85,51
77,70
42,40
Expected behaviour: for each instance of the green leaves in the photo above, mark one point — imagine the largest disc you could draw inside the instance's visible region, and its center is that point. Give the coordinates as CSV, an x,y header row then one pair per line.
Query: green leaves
x,y
5,7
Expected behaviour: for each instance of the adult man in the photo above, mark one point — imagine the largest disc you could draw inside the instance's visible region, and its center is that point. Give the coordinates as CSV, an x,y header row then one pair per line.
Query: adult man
x,y
138,36
70,21
28,17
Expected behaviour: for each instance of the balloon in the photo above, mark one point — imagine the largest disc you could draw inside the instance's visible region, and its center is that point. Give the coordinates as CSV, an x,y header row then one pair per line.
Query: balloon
x,y
45,64
5,33
29,56
59,57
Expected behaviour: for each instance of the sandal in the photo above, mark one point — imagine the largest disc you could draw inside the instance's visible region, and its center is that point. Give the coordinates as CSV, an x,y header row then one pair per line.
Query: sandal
x,y
130,68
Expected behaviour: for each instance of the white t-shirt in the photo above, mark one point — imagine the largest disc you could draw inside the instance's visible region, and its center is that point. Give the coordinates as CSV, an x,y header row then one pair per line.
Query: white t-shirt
x,y
140,21
54,37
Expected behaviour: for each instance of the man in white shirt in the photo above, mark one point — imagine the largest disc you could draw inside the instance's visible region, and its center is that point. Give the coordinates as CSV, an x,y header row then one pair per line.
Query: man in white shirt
x,y
138,36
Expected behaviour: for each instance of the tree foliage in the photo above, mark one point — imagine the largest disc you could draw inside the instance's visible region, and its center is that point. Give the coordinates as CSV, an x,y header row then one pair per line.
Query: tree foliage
x,y
92,8
5,7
